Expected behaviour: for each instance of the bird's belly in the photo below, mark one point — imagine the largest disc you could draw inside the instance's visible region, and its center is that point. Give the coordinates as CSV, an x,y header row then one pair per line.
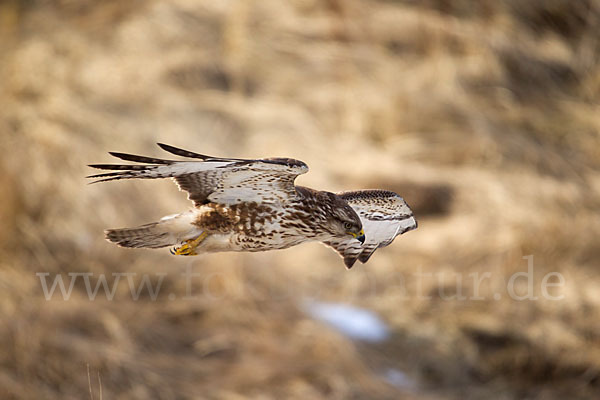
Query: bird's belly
x,y
248,227
243,242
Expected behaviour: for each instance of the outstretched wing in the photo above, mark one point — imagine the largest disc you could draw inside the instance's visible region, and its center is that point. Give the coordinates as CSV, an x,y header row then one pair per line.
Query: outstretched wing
x,y
213,179
384,215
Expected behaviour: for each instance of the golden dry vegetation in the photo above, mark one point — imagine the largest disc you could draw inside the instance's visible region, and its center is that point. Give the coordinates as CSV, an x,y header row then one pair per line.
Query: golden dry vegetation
x,y
484,115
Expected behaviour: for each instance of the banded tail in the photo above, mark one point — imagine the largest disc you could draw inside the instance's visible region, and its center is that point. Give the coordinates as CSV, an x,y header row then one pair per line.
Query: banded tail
x,y
149,235
169,231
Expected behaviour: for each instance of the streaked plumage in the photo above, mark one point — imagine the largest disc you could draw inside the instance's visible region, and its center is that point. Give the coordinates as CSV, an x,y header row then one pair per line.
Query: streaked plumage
x,y
253,205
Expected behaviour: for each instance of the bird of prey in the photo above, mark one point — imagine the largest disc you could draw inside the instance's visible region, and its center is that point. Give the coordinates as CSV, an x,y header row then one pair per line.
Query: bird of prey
x,y
253,205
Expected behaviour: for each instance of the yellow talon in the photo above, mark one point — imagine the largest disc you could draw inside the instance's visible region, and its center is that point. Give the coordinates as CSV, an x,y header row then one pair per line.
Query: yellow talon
x,y
189,246
184,250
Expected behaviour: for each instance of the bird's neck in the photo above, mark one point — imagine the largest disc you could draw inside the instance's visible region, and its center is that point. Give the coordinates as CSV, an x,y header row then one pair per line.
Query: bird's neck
x,y
316,209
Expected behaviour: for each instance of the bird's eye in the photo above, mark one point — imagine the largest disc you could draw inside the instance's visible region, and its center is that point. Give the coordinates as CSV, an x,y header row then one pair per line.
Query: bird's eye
x,y
347,225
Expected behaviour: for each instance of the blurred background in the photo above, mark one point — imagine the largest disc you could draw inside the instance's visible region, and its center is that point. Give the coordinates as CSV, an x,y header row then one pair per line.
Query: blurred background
x,y
484,115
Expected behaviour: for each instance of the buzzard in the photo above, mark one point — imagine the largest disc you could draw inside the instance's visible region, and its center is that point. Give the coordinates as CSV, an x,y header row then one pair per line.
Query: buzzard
x,y
253,205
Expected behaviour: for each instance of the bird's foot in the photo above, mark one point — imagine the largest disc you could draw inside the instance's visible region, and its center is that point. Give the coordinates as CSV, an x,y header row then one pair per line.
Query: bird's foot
x,y
188,248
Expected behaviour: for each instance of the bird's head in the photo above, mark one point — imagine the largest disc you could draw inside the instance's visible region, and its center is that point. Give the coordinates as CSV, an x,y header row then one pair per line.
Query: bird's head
x,y
343,221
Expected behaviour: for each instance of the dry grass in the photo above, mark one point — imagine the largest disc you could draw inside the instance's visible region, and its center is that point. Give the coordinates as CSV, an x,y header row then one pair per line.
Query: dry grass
x,y
484,115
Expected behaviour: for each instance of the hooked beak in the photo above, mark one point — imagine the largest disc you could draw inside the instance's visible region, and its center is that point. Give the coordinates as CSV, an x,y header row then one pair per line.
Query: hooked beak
x,y
360,236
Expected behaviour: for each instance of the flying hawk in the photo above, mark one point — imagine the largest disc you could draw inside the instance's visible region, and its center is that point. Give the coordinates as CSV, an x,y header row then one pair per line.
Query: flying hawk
x,y
253,205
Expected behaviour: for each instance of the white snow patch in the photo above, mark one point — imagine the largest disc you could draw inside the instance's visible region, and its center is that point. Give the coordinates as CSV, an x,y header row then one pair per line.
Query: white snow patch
x,y
353,322
399,379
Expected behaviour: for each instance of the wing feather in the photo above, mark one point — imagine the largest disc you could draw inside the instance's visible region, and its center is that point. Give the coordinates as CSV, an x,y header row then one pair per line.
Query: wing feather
x,y
384,215
190,154
214,179
140,159
349,249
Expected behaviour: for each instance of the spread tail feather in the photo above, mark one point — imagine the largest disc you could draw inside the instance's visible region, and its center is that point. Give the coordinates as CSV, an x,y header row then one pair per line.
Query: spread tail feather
x,y
169,231
152,236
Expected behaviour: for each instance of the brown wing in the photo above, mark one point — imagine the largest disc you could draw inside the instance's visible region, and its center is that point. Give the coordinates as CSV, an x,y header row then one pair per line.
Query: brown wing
x,y
349,249
214,179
